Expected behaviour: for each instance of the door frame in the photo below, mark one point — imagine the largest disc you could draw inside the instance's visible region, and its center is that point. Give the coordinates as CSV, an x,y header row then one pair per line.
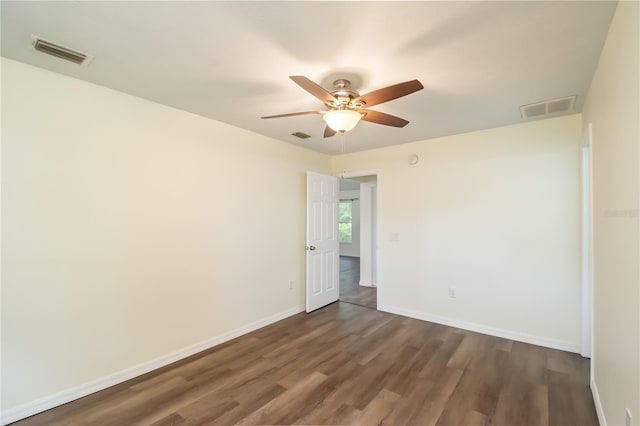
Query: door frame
x,y
586,285
376,250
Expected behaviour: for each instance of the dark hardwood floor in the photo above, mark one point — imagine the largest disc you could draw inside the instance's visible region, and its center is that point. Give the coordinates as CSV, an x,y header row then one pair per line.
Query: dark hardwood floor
x,y
350,289
346,364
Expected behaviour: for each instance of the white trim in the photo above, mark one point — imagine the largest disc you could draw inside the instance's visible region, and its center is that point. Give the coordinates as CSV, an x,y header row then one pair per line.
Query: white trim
x,y
359,173
596,401
29,409
497,332
586,287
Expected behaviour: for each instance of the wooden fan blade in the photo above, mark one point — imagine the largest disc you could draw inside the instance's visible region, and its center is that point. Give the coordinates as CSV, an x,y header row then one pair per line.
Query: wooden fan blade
x,y
313,88
389,93
328,132
382,118
292,114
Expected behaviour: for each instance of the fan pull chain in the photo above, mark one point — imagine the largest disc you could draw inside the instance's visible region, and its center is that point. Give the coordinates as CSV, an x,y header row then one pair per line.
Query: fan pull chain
x,y
343,136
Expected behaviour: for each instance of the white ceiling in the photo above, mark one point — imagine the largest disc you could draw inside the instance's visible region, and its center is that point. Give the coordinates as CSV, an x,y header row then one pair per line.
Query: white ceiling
x,y
230,61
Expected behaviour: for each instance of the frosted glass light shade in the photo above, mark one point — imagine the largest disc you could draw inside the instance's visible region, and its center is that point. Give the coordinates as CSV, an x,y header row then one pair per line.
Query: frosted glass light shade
x,y
342,120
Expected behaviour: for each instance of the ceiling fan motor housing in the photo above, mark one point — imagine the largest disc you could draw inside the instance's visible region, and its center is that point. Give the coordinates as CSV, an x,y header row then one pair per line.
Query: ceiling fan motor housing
x,y
345,95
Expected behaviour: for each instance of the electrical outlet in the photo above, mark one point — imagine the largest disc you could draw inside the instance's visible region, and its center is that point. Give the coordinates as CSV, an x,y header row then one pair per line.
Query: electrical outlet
x,y
628,420
291,284
452,292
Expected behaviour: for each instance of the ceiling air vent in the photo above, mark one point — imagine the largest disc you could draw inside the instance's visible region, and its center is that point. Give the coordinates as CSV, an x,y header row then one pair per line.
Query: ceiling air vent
x,y
60,51
552,106
301,135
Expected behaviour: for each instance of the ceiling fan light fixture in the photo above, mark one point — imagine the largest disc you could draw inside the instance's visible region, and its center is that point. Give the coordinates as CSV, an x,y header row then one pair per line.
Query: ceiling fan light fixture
x,y
342,120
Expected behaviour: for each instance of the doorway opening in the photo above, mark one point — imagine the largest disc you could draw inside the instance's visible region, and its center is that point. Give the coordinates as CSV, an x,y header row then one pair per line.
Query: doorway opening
x,y
357,230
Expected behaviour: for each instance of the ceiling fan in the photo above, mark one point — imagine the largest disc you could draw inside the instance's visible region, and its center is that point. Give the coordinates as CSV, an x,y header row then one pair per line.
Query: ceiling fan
x,y
346,107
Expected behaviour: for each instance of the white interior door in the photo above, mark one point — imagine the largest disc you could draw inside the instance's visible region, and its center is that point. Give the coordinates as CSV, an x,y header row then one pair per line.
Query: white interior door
x,y
322,240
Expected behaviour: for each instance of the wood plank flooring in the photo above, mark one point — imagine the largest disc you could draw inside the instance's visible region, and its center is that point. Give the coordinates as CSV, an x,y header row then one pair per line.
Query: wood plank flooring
x,y
350,289
346,364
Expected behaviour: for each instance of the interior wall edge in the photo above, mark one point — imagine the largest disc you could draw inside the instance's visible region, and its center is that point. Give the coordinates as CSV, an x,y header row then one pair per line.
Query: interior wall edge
x,y
31,408
483,329
596,401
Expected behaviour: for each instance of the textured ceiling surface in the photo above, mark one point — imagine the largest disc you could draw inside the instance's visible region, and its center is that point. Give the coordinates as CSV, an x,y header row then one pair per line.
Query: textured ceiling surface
x,y
230,61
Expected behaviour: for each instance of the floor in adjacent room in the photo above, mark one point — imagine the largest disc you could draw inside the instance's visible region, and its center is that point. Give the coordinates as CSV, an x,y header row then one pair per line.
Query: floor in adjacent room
x,y
346,364
350,289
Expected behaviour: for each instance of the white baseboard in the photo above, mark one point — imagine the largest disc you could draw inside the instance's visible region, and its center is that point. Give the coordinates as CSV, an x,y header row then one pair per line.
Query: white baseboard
x,y
48,402
596,401
365,284
505,334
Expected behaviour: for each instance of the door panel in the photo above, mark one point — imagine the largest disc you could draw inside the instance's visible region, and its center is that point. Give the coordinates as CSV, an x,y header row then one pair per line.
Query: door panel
x,y
322,240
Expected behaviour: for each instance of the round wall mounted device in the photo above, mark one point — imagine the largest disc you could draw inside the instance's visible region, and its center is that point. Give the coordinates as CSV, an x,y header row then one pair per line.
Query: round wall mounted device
x,y
413,159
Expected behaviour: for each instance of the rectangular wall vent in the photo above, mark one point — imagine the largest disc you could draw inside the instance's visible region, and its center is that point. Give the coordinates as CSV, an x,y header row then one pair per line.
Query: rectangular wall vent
x,y
60,51
301,135
552,106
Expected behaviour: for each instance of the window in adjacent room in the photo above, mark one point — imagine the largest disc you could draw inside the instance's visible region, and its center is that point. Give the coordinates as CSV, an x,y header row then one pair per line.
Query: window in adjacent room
x,y
345,221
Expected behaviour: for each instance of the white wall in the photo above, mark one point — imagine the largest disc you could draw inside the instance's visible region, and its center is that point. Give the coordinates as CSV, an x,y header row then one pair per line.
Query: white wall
x,y
352,249
374,235
132,230
612,108
493,213
367,207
